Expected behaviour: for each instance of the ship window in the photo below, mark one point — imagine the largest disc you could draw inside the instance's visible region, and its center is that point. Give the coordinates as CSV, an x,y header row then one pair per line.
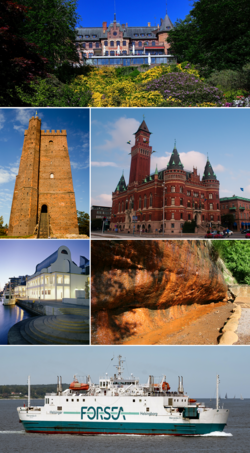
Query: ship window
x,y
72,400
83,399
77,400
67,400
59,408
147,409
140,401
133,401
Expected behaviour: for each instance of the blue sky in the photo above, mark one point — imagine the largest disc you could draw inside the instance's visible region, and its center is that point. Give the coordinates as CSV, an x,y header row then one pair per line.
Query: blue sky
x,y
223,134
13,122
20,257
197,364
135,14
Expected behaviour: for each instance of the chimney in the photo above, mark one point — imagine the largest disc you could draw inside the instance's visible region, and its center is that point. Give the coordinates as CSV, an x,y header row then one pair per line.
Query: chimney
x,y
126,24
104,26
158,26
149,24
123,25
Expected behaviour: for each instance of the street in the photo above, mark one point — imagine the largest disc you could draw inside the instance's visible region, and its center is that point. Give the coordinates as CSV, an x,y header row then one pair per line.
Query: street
x,y
113,235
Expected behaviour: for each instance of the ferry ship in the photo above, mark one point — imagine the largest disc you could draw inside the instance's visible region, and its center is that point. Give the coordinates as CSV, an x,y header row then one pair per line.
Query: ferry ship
x,y
120,405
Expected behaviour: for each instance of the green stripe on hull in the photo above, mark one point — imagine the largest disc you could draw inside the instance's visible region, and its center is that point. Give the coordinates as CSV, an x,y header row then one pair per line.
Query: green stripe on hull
x,y
82,427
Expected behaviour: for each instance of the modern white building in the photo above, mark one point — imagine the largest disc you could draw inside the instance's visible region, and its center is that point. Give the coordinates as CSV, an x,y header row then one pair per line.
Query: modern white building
x,y
57,278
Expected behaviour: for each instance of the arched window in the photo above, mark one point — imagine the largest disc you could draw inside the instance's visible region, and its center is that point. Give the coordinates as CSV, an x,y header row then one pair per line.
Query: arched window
x,y
211,206
51,175
112,43
145,201
118,43
119,206
181,201
140,44
150,199
181,189
140,203
172,201
188,204
202,206
172,188
195,205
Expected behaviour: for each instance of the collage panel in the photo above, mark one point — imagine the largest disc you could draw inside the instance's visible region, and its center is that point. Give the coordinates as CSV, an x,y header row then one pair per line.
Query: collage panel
x,y
127,395
132,277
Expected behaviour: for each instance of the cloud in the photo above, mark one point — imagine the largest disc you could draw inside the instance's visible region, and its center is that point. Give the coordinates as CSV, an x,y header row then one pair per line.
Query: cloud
x,y
219,168
6,175
103,200
225,191
104,164
2,120
80,166
121,131
246,189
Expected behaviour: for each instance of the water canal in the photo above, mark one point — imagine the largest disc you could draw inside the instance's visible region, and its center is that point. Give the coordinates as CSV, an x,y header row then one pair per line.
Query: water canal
x,y
10,315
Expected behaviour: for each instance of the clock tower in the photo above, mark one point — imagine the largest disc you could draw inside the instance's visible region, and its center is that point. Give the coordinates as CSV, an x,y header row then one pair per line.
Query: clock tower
x,y
140,155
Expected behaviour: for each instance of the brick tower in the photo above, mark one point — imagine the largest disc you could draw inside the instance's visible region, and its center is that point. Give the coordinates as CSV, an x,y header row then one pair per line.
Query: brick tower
x,y
140,155
44,198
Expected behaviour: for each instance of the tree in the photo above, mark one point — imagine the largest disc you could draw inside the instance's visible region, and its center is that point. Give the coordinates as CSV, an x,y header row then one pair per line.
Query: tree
x,y
1,221
20,60
83,222
215,34
51,24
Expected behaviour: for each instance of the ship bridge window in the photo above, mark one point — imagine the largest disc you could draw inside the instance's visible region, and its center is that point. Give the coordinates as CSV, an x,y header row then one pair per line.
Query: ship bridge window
x,y
67,400
59,408
83,400
147,409
77,400
72,400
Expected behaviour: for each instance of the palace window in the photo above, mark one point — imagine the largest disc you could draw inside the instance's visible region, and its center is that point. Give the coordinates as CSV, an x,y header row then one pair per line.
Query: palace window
x,y
136,35
217,206
145,201
172,188
119,207
212,217
83,45
106,53
140,44
210,196
149,34
90,45
124,52
189,217
150,200
140,203
105,43
124,43
211,206
94,36
122,206
112,53
202,195
196,194
86,36
172,201
172,215
97,45
153,43
172,225
126,204
202,206
114,33
188,193
181,216
181,201
112,43
188,204
181,189
118,43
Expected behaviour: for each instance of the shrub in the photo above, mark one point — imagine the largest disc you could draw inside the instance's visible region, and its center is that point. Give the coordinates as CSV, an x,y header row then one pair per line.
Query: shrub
x,y
186,89
189,227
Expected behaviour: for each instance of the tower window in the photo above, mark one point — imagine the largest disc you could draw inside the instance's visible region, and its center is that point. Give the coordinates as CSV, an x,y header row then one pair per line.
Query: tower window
x,y
173,189
51,175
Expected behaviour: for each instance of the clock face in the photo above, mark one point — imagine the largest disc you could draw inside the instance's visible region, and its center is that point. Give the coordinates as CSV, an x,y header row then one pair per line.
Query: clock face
x,y
144,139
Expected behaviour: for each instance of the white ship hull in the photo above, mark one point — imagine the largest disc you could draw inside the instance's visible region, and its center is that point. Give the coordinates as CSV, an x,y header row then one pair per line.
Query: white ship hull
x,y
119,415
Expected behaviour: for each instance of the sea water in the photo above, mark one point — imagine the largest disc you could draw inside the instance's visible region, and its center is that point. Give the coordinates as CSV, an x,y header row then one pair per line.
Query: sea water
x,y
234,438
10,315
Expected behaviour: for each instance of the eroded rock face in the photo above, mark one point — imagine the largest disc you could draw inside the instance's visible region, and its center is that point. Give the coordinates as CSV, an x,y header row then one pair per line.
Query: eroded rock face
x,y
131,277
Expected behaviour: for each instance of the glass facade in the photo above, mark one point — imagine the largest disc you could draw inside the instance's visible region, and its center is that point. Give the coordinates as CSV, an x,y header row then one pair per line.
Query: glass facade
x,y
129,60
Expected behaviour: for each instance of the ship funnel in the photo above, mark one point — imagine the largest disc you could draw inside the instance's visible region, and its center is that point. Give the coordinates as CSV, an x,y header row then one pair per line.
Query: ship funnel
x,y
182,389
179,384
59,384
57,388
151,383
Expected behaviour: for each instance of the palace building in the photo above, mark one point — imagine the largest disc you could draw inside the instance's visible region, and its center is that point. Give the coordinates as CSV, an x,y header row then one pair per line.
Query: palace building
x,y
175,194
44,200
119,44
235,212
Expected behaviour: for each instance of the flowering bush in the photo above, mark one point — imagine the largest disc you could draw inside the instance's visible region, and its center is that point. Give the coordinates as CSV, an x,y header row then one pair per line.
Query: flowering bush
x,y
186,88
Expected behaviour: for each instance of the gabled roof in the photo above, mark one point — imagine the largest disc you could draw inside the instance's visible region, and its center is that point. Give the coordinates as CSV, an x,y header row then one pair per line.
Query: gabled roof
x,y
208,172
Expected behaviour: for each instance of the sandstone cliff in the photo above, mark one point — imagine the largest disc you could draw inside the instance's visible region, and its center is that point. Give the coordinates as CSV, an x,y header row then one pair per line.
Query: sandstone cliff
x,y
135,283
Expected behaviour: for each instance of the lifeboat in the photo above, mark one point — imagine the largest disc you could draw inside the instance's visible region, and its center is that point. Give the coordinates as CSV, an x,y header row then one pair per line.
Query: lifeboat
x,y
75,385
165,386
191,400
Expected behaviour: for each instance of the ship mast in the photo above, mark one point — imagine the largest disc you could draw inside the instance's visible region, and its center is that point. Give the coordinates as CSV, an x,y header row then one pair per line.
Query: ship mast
x,y
28,391
217,391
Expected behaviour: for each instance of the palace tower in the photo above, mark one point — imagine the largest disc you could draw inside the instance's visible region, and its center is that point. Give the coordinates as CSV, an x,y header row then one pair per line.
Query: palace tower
x,y
44,200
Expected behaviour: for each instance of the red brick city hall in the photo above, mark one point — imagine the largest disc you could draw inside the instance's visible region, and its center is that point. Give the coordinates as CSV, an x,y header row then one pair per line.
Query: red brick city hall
x,y
175,194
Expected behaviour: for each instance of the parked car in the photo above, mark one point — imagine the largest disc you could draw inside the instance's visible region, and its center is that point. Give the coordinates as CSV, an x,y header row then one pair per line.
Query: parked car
x,y
245,231
209,236
247,236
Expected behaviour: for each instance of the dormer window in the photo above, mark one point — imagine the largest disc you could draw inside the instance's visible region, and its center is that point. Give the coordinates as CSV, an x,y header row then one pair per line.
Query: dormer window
x,y
86,36
94,36
51,175
136,35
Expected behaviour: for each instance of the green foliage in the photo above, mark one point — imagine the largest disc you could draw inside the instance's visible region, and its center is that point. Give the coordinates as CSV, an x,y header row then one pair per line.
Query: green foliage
x,y
67,72
189,227
51,25
37,391
51,92
215,34
96,224
236,256
83,222
130,71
